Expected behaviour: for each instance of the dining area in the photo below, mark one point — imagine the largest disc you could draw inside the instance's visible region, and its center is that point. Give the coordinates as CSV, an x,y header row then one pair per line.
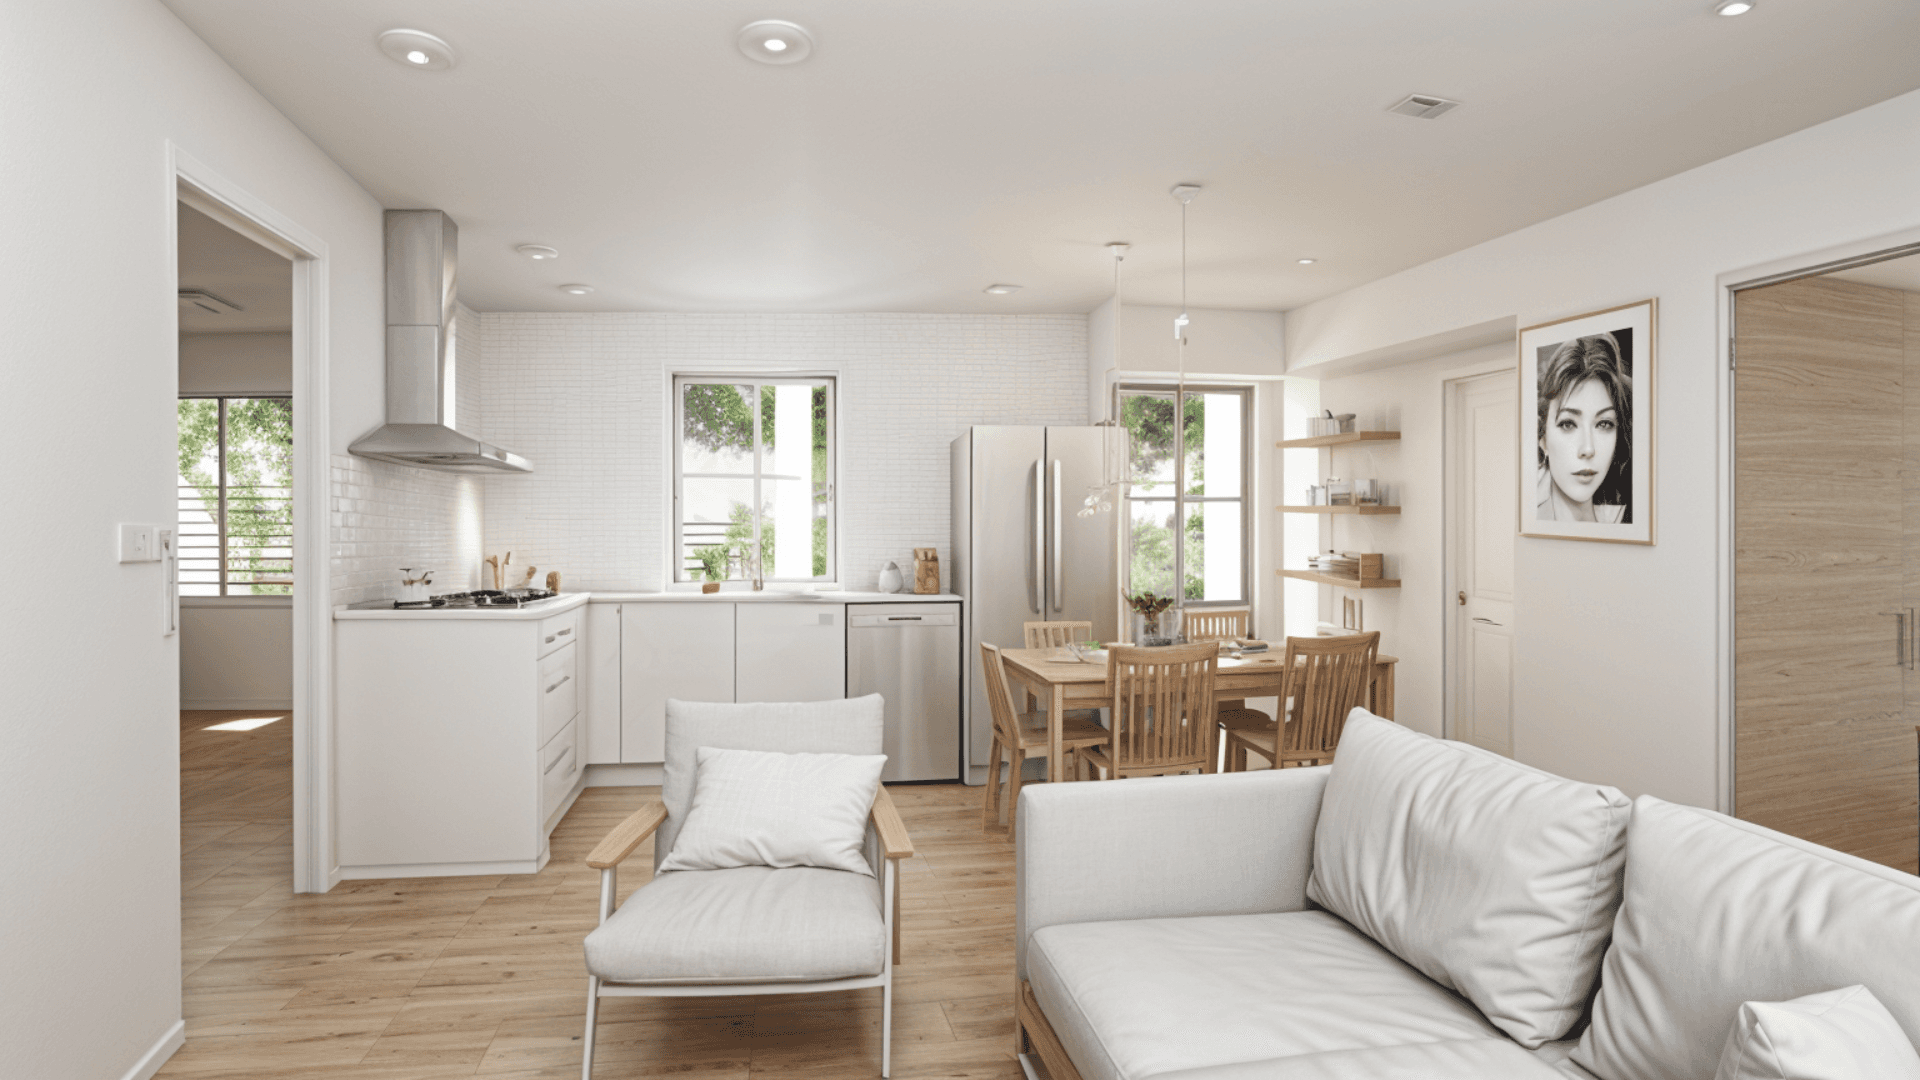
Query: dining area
x,y
1098,711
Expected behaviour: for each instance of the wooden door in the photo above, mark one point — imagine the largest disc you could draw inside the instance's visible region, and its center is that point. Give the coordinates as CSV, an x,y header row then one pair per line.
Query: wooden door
x,y
1482,473
1822,746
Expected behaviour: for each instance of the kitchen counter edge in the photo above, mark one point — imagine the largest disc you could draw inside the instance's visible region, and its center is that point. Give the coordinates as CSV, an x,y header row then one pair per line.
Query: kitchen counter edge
x,y
576,600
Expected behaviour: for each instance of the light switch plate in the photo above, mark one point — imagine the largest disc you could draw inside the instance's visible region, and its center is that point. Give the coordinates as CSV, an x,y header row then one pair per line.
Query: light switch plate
x,y
139,543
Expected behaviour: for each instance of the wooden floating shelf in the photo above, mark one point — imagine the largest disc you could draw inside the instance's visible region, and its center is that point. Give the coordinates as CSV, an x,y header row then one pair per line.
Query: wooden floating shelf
x,y
1346,439
1367,510
1341,580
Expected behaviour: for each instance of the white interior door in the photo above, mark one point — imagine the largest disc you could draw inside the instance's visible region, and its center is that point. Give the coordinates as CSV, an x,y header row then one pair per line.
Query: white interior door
x,y
1482,504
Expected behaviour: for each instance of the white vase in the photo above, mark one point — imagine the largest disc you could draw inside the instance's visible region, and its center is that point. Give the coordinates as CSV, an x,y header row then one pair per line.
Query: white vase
x,y
890,580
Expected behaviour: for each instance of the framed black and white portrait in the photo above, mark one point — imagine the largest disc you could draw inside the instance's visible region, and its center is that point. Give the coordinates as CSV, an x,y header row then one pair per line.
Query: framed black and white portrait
x,y
1586,426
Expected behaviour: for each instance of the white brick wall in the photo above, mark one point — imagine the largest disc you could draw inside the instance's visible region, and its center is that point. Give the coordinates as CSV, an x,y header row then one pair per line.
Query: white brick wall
x,y
584,396
388,516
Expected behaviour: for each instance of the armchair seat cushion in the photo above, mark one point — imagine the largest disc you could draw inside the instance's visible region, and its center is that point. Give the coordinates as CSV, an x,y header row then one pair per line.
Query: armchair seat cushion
x,y
1137,998
748,924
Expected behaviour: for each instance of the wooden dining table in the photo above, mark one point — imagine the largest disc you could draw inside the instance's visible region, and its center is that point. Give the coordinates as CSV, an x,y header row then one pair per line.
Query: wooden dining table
x,y
1061,683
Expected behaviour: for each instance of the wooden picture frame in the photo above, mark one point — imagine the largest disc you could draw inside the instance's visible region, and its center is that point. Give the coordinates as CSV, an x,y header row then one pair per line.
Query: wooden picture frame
x,y
1586,410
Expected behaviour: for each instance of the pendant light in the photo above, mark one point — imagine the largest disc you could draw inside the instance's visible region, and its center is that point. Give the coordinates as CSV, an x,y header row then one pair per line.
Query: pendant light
x,y
1184,194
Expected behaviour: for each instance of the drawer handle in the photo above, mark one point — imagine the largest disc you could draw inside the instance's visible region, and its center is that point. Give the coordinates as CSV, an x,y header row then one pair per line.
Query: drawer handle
x,y
548,771
558,685
563,633
549,640
904,618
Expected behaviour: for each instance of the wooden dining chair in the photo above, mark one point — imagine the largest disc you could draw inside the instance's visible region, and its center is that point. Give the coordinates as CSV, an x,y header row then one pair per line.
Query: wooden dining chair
x,y
1057,635
1021,735
1226,624
1163,720
1326,678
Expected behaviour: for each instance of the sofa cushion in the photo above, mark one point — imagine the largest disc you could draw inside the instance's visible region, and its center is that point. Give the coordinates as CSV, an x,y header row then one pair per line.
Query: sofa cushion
x,y
1838,1035
1718,912
748,924
1494,879
1472,1059
1137,998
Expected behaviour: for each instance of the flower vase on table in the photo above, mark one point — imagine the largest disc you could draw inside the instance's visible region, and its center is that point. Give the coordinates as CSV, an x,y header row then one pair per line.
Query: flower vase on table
x,y
1156,621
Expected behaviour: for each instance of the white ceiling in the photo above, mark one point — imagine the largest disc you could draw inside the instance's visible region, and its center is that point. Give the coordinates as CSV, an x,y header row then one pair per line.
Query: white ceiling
x,y
1901,274
927,150
230,266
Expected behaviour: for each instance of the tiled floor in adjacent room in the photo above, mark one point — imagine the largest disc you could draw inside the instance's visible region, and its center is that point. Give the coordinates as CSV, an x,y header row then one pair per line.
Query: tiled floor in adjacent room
x,y
482,976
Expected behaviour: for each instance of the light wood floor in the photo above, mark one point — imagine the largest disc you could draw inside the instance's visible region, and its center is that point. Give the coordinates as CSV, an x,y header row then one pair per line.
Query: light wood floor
x,y
482,976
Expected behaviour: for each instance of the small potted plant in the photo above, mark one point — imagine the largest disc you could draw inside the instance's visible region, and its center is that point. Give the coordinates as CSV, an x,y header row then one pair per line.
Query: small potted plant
x,y
1151,619
713,566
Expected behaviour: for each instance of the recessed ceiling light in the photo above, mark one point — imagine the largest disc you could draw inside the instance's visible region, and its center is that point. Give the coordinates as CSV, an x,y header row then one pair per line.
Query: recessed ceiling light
x,y
537,252
775,41
1423,106
1000,290
576,290
417,49
1306,262
1730,8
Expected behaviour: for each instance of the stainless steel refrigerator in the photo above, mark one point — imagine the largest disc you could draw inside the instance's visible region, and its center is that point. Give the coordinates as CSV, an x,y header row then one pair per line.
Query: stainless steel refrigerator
x,y
1021,552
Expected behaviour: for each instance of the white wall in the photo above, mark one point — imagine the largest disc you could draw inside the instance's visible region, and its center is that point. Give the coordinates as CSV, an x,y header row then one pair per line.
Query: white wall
x,y
90,93
235,364
585,396
1619,667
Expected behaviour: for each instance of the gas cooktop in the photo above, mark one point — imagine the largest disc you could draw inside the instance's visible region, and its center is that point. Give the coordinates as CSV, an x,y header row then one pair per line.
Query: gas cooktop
x,y
478,600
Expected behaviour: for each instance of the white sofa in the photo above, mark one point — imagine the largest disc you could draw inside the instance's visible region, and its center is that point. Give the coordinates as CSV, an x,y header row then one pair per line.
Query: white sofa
x,y
1423,909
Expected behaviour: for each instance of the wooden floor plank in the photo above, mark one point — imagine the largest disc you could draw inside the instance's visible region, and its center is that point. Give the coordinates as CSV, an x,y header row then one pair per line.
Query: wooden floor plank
x,y
425,978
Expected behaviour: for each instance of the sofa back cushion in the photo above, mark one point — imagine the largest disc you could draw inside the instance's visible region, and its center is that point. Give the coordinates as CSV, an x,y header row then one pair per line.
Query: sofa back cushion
x,y
1718,912
1496,880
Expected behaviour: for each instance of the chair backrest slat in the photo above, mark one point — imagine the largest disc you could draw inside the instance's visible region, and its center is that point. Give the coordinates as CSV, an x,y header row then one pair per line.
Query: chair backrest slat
x,y
1163,713
993,670
1330,676
1214,624
1052,635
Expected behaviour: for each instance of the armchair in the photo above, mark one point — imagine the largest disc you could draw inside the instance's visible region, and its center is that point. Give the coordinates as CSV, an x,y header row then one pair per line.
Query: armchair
x,y
750,929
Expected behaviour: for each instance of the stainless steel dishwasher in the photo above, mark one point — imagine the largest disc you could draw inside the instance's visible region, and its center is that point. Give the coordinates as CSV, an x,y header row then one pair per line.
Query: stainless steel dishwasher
x,y
909,654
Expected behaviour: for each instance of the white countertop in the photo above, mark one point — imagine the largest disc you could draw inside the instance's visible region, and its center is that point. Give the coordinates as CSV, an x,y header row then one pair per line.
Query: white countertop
x,y
545,609
569,601
748,596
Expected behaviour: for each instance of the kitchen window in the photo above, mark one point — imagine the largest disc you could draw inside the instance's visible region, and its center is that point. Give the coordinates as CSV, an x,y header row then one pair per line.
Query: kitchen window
x,y
1189,481
236,496
753,472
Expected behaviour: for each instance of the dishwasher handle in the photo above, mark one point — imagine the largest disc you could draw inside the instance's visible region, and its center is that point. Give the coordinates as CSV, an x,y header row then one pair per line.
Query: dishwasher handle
x,y
898,621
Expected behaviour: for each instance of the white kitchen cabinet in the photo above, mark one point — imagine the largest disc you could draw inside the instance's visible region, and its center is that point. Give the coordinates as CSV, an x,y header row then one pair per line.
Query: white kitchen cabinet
x,y
600,668
457,739
681,650
789,652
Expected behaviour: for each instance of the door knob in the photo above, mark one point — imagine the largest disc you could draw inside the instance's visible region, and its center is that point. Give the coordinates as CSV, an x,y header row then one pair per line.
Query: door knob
x,y
1463,597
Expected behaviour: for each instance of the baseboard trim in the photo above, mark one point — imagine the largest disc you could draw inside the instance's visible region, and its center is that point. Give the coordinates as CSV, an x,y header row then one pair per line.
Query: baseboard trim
x,y
624,775
158,1053
238,704
447,869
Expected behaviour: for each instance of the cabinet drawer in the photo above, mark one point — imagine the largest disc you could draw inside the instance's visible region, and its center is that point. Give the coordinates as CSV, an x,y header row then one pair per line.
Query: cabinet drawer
x,y
559,769
559,689
560,631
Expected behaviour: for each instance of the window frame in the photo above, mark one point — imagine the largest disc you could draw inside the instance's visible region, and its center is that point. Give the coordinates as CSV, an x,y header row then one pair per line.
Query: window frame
x,y
225,582
1180,497
680,573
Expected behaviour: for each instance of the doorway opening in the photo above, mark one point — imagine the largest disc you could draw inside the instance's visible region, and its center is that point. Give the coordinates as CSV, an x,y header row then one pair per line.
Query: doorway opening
x,y
1482,518
1826,555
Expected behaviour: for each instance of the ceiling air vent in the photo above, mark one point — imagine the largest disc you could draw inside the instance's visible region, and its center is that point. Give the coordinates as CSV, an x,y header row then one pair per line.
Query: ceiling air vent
x,y
1423,106
206,301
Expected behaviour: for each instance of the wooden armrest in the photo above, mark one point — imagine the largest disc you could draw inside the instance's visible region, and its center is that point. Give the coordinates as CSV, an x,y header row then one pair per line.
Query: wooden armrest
x,y
893,831
614,848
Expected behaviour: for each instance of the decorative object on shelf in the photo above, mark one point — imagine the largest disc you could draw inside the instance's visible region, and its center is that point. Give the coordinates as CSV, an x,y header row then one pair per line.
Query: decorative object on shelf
x,y
1366,493
890,580
414,589
553,581
1339,492
926,571
1353,614
1371,565
1156,621
1316,495
1583,383
1328,424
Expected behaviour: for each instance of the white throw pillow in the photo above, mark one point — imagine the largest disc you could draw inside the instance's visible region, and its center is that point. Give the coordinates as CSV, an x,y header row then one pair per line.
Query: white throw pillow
x,y
1494,879
754,808
1839,1035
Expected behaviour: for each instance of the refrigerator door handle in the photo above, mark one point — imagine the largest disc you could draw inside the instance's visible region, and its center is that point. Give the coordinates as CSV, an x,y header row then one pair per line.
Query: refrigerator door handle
x,y
1036,590
1057,578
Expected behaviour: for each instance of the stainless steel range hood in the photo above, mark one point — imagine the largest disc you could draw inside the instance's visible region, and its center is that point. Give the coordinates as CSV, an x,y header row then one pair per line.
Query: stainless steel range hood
x,y
421,360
